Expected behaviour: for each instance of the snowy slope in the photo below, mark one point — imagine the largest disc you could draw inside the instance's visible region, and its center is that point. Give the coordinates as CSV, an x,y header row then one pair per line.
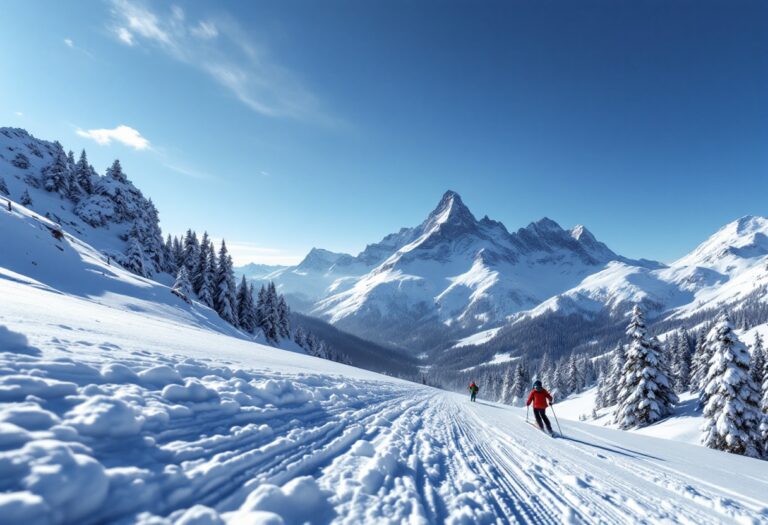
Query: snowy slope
x,y
102,215
121,403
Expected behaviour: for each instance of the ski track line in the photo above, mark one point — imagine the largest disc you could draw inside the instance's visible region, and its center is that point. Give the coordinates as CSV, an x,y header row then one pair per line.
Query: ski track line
x,y
225,478
687,486
619,500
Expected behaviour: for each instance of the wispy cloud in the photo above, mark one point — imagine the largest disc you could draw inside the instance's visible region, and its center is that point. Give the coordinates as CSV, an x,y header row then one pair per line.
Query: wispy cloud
x,y
188,172
222,50
123,134
71,45
19,114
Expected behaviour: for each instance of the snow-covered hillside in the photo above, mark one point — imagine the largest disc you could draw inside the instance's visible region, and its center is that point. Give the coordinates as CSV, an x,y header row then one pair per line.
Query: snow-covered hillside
x,y
108,212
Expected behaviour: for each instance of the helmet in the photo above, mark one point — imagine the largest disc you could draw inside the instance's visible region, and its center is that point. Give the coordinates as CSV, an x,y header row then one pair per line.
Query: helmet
x,y
537,384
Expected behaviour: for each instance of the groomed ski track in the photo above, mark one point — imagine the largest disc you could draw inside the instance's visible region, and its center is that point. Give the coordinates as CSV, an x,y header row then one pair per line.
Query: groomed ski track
x,y
481,463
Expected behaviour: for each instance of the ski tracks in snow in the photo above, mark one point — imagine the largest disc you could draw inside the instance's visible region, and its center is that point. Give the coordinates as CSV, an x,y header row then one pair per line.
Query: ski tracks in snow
x,y
162,440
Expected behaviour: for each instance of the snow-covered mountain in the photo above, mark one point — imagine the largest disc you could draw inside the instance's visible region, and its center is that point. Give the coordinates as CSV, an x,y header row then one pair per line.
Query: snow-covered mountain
x,y
449,276
722,270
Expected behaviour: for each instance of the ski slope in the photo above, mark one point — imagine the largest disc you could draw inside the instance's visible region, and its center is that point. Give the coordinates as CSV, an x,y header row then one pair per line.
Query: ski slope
x,y
120,403
108,417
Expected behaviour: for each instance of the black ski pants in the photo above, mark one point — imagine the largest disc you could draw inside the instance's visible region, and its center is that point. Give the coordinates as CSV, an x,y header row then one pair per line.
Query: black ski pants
x,y
542,419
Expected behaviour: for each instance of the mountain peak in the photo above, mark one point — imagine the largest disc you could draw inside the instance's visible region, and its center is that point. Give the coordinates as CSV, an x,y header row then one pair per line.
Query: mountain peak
x,y
751,224
320,259
545,224
581,233
450,210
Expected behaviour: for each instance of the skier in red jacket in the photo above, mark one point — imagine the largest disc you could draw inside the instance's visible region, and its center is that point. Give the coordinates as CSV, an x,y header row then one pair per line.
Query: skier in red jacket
x,y
539,397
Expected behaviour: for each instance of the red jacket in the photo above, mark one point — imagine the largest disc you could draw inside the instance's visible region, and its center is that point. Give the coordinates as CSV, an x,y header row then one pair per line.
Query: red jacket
x,y
539,398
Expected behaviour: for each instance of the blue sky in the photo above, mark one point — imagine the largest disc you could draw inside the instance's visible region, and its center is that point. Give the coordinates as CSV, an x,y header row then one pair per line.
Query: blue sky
x,y
283,125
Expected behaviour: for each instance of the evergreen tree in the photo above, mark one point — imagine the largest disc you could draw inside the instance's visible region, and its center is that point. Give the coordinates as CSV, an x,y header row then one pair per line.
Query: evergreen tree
x,y
764,409
134,260
245,308
83,174
681,361
182,287
4,188
224,300
170,261
731,400
202,265
283,314
191,253
520,384
700,363
56,174
178,252
299,337
646,395
613,384
269,314
204,285
757,364
573,377
25,199
115,172
601,394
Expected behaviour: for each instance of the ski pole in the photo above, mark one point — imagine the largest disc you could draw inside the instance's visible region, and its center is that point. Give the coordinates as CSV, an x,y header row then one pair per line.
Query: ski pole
x,y
556,421
527,409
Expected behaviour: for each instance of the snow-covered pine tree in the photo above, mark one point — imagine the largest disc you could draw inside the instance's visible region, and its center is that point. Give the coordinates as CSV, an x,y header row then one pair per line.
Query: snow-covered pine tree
x,y
559,380
284,318
178,252
25,199
152,241
700,362
182,287
731,399
56,174
245,306
521,384
84,173
299,337
4,188
681,361
191,254
202,264
271,314
170,262
507,386
600,394
573,376
134,257
613,382
115,172
646,394
71,161
224,287
764,409
757,362
204,285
